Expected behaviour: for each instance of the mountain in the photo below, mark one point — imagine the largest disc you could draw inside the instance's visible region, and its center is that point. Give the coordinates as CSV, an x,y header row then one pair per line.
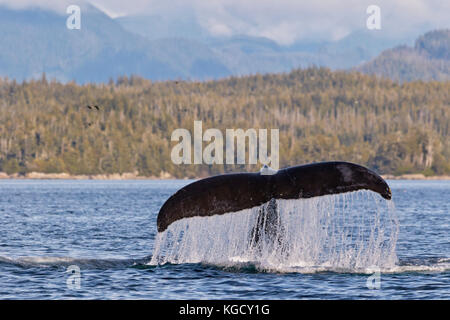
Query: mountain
x,y
244,54
34,41
155,27
358,47
428,59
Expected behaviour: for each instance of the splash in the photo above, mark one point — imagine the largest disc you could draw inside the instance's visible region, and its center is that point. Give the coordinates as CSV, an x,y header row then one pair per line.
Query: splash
x,y
346,232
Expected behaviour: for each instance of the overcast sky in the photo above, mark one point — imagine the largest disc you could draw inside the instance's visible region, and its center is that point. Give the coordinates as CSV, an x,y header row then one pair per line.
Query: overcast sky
x,y
284,21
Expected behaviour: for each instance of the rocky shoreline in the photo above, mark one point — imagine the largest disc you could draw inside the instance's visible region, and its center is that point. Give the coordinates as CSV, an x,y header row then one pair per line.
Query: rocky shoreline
x,y
164,176
66,176
414,176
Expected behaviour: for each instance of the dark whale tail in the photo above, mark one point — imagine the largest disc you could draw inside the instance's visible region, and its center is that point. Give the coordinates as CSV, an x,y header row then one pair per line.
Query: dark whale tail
x,y
233,192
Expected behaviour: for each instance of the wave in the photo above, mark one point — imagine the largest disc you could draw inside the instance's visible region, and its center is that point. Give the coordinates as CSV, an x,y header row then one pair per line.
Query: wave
x,y
84,263
422,265
235,264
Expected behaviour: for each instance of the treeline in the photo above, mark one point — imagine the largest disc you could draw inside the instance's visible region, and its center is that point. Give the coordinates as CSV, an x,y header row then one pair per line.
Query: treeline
x,y
45,126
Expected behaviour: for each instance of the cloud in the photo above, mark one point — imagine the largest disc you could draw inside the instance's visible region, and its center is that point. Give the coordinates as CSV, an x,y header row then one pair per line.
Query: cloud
x,y
218,29
55,5
284,21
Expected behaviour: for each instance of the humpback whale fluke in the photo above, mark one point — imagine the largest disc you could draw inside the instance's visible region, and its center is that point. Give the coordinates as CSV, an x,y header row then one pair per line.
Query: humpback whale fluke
x,y
237,191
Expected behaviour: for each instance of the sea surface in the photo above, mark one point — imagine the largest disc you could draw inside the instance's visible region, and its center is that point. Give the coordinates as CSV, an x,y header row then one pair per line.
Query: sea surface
x,y
68,239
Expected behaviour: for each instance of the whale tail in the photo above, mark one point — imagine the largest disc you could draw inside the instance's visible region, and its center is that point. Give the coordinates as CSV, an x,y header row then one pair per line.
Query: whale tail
x,y
234,192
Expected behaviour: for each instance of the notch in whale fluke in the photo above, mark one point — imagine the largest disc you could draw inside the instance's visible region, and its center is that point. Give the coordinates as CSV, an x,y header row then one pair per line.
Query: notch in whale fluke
x,y
237,191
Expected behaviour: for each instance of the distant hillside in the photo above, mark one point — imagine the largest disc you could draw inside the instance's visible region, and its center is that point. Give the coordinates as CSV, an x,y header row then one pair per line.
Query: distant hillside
x,y
429,59
34,41
244,55
322,115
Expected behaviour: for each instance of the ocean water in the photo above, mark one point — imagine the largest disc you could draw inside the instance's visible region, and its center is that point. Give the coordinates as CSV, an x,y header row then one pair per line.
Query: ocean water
x,y
62,239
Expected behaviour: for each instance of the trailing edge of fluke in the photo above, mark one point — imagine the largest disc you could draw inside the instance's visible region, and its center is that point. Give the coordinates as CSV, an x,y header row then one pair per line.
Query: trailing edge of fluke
x,y
237,191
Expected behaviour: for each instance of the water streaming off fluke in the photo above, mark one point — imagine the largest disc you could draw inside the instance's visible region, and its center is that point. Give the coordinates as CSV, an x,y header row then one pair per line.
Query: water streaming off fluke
x,y
345,232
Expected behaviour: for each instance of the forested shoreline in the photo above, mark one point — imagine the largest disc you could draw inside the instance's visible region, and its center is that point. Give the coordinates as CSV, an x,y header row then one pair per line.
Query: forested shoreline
x,y
46,126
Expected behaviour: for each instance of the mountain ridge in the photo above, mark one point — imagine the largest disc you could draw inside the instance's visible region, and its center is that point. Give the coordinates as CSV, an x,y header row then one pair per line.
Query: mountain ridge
x,y
34,41
428,59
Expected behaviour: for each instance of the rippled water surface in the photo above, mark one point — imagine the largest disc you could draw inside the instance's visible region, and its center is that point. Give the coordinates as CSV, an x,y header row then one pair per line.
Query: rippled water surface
x,y
107,229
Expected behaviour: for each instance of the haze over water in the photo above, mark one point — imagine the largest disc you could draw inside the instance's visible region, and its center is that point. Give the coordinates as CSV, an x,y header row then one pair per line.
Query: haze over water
x,y
108,230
